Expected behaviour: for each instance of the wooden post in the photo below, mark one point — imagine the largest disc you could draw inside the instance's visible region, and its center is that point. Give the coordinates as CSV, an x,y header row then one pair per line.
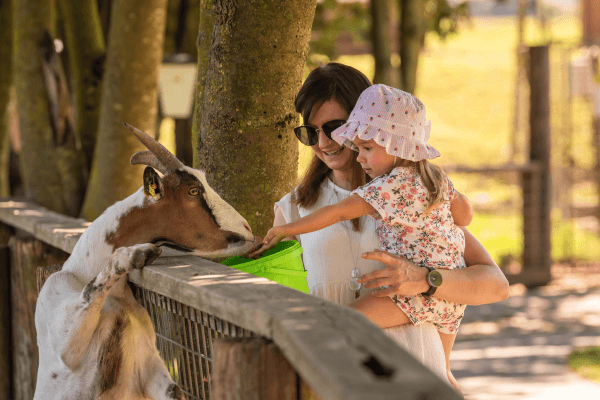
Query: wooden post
x,y
27,253
252,369
591,22
5,325
536,181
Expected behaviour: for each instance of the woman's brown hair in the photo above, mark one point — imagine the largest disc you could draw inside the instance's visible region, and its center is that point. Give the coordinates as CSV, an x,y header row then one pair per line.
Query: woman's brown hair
x,y
343,84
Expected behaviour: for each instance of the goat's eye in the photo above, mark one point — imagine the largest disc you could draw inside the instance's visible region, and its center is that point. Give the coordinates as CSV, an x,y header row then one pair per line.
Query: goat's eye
x,y
194,191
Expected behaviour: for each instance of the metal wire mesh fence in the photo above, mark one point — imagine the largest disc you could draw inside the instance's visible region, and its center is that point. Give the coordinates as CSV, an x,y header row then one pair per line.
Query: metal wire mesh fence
x,y
184,338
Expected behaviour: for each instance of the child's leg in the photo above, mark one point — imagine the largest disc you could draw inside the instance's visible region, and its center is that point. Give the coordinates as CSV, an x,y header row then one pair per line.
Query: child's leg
x,y
447,343
382,311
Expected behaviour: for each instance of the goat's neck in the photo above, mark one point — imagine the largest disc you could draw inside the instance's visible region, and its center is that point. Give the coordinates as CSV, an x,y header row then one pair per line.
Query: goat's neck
x,y
94,249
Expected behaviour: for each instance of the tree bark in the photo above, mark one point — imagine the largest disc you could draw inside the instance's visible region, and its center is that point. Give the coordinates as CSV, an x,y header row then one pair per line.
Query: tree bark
x,y
254,71
129,94
205,29
6,49
52,174
384,72
86,50
412,32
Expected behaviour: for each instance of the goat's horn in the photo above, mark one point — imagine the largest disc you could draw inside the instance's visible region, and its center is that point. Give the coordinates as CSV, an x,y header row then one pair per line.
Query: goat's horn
x,y
164,156
148,158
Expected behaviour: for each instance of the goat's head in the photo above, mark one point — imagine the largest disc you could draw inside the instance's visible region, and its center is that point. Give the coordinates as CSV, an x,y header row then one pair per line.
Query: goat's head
x,y
185,212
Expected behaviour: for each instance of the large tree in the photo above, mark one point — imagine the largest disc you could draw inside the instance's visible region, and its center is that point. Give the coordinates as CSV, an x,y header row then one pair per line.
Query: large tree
x,y
52,170
129,94
253,73
5,84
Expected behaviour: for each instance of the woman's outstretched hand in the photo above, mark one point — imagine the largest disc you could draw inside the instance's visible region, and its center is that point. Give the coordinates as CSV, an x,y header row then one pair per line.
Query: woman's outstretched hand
x,y
274,236
400,275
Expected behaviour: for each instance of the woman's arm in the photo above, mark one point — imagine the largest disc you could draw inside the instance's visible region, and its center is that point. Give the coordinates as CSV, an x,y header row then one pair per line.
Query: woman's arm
x,y
461,209
482,282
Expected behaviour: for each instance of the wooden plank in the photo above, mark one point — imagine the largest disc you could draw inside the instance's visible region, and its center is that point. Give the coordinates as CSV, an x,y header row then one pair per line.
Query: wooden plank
x,y
53,228
531,166
251,369
336,350
27,253
6,375
329,345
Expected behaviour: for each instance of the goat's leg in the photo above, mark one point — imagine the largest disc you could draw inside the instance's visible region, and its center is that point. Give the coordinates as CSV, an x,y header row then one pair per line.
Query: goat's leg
x,y
86,310
159,385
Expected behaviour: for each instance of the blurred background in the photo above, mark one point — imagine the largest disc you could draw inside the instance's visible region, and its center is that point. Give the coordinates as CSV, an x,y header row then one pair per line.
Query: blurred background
x,y
512,88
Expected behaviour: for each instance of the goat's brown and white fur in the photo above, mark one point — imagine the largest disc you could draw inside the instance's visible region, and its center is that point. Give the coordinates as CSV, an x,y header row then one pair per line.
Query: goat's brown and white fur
x,y
95,340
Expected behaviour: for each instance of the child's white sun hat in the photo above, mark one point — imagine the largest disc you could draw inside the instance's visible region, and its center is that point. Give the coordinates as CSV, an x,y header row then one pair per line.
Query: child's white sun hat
x,y
394,119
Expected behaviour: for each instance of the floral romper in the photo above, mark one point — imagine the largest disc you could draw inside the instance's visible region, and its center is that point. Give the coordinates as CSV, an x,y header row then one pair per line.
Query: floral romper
x,y
424,238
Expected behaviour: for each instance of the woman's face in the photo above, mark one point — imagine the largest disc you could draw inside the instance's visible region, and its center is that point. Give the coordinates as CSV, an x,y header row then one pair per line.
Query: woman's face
x,y
329,151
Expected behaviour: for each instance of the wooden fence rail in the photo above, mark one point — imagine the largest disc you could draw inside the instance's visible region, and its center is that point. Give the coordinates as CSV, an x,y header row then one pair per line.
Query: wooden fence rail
x,y
270,342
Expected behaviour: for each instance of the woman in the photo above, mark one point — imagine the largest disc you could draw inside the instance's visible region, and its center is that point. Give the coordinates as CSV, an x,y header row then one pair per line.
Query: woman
x,y
332,256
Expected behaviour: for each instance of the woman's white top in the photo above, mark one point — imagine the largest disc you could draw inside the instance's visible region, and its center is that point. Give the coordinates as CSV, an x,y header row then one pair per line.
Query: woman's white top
x,y
329,255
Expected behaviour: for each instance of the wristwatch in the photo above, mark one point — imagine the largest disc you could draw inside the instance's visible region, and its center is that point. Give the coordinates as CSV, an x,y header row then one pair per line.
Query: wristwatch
x,y
434,278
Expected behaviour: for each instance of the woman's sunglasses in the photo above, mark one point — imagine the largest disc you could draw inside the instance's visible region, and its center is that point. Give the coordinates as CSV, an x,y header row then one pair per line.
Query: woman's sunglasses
x,y
309,135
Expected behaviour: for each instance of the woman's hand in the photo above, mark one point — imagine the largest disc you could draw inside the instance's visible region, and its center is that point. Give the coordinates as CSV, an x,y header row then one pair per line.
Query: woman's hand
x,y
400,275
274,236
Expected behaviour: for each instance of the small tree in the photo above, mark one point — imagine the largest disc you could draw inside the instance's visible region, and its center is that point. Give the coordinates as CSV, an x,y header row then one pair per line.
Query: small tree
x,y
52,169
129,94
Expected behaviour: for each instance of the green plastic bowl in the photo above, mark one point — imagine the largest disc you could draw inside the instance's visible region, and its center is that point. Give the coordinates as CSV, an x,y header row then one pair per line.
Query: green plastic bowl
x,y
281,264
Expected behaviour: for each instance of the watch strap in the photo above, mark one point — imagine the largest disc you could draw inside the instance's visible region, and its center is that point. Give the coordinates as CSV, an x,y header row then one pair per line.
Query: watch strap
x,y
432,288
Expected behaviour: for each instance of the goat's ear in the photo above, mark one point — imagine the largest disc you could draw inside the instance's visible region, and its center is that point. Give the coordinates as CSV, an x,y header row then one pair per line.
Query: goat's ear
x,y
153,186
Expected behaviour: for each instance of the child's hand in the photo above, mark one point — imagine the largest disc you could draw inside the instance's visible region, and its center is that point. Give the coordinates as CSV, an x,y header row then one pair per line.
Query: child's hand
x,y
274,236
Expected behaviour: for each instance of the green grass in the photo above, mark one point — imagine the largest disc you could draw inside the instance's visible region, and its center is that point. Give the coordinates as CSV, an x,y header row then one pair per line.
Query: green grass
x,y
586,363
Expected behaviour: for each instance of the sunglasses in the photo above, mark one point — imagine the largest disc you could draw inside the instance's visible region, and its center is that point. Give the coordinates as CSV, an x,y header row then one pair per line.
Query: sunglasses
x,y
309,135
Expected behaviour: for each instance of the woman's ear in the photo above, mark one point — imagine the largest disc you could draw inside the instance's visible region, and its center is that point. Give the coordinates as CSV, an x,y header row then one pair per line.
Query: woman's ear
x,y
153,185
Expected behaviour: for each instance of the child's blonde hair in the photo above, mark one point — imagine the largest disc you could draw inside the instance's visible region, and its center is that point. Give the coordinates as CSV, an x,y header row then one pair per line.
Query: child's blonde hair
x,y
433,178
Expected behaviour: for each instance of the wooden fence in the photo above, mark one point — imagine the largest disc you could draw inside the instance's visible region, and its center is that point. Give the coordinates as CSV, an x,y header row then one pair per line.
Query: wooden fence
x,y
222,333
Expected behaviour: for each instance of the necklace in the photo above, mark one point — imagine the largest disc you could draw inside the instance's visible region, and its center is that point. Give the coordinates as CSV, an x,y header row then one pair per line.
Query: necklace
x,y
355,273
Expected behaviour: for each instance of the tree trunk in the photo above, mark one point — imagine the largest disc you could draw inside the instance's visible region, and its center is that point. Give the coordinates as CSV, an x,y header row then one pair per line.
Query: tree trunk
x,y
412,32
205,30
384,72
5,82
245,143
53,173
129,94
86,50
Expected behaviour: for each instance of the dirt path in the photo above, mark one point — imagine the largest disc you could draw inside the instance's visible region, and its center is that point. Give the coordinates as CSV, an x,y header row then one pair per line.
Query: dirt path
x,y
517,349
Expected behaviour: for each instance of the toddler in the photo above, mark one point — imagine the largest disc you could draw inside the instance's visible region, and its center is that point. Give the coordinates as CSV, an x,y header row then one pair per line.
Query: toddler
x,y
414,202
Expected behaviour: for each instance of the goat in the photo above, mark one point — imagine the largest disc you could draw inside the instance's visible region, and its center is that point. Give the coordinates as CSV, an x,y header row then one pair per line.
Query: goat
x,y
95,341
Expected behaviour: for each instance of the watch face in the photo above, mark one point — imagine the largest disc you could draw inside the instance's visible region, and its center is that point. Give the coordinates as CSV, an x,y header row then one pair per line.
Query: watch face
x,y
435,278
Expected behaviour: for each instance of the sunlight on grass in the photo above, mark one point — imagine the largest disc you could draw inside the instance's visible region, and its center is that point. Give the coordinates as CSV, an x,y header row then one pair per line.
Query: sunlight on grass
x,y
586,363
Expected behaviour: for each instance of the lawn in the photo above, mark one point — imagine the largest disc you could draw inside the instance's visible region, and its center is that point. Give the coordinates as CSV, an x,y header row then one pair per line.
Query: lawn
x,y
586,363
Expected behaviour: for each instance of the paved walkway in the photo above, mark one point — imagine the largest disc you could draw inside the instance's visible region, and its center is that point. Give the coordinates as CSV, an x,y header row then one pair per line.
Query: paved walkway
x,y
517,349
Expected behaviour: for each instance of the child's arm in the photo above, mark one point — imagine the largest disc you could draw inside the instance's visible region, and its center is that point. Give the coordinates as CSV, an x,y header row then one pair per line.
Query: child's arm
x,y
461,209
349,208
